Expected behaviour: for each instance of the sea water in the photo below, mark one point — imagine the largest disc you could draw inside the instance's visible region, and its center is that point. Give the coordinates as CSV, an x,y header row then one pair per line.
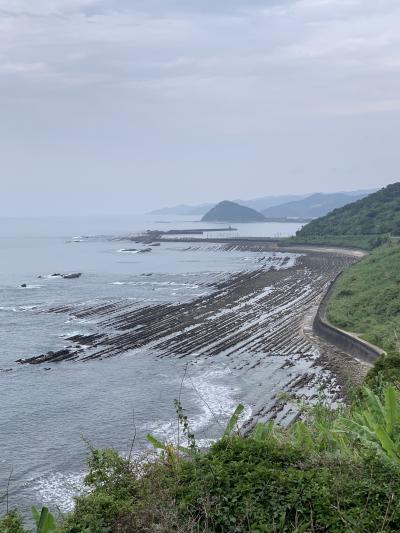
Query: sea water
x,y
47,417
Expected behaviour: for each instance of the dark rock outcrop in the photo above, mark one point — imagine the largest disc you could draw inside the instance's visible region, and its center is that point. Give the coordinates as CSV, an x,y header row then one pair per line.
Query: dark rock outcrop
x,y
73,275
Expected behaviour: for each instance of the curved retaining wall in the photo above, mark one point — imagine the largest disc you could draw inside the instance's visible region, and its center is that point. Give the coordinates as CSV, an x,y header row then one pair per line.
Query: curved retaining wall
x,y
347,342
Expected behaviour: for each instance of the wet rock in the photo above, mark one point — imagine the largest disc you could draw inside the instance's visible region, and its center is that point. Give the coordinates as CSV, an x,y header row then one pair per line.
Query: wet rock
x,y
54,357
23,285
73,275
145,250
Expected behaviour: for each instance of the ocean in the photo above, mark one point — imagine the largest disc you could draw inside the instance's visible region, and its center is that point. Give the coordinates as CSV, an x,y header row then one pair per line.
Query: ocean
x,y
50,413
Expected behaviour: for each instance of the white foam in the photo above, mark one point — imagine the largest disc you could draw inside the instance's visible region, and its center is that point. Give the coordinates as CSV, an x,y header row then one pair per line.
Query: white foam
x,y
27,307
125,251
8,308
71,334
175,284
216,400
58,489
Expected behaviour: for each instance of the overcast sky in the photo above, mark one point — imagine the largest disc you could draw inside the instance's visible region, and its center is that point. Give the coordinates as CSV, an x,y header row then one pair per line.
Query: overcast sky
x,y
111,106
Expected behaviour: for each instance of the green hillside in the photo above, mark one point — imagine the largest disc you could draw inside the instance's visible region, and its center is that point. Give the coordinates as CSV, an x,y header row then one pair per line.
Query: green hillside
x,y
366,298
376,215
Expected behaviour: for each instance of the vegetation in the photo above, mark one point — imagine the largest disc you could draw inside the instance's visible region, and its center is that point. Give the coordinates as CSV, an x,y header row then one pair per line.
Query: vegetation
x,y
375,216
12,522
366,298
366,301
332,470
336,471
365,242
45,522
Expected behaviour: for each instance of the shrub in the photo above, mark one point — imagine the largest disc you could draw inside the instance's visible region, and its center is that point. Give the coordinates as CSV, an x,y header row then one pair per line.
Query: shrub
x,y
336,471
12,523
113,491
385,370
244,485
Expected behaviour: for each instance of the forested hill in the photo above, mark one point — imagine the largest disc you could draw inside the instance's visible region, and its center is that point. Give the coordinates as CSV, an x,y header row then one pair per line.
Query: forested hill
x,y
377,214
232,212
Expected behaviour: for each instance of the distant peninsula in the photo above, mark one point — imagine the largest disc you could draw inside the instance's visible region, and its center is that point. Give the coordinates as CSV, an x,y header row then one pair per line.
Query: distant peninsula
x,y
232,212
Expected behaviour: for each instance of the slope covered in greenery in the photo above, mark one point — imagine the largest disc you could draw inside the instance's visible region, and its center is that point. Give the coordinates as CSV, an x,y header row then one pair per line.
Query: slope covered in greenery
x,y
365,242
377,214
366,298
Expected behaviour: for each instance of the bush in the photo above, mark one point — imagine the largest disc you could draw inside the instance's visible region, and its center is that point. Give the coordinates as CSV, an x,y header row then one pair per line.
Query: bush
x,y
113,491
243,485
12,523
385,370
334,472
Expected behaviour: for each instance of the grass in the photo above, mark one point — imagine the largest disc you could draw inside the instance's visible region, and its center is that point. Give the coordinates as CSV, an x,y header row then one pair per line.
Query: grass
x,y
366,298
364,242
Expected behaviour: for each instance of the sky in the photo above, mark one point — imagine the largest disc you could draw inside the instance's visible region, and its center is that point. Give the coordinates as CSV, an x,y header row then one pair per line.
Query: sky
x,y
121,106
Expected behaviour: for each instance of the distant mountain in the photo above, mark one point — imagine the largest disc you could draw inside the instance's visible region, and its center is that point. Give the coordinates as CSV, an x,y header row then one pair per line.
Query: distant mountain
x,y
183,209
201,209
360,192
258,204
232,212
376,214
313,206
268,201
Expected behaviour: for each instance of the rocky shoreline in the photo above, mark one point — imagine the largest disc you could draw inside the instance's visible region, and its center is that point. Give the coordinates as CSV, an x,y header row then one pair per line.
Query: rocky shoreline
x,y
256,321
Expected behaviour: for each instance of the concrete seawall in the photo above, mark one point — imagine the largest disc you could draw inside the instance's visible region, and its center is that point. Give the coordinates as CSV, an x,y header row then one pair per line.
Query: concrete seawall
x,y
345,341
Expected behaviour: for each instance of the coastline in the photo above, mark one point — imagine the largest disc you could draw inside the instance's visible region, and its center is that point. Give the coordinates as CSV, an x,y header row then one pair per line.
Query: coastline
x,y
244,327
257,322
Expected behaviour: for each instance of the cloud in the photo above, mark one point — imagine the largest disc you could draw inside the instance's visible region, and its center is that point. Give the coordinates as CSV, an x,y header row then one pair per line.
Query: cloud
x,y
183,88
46,7
127,41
